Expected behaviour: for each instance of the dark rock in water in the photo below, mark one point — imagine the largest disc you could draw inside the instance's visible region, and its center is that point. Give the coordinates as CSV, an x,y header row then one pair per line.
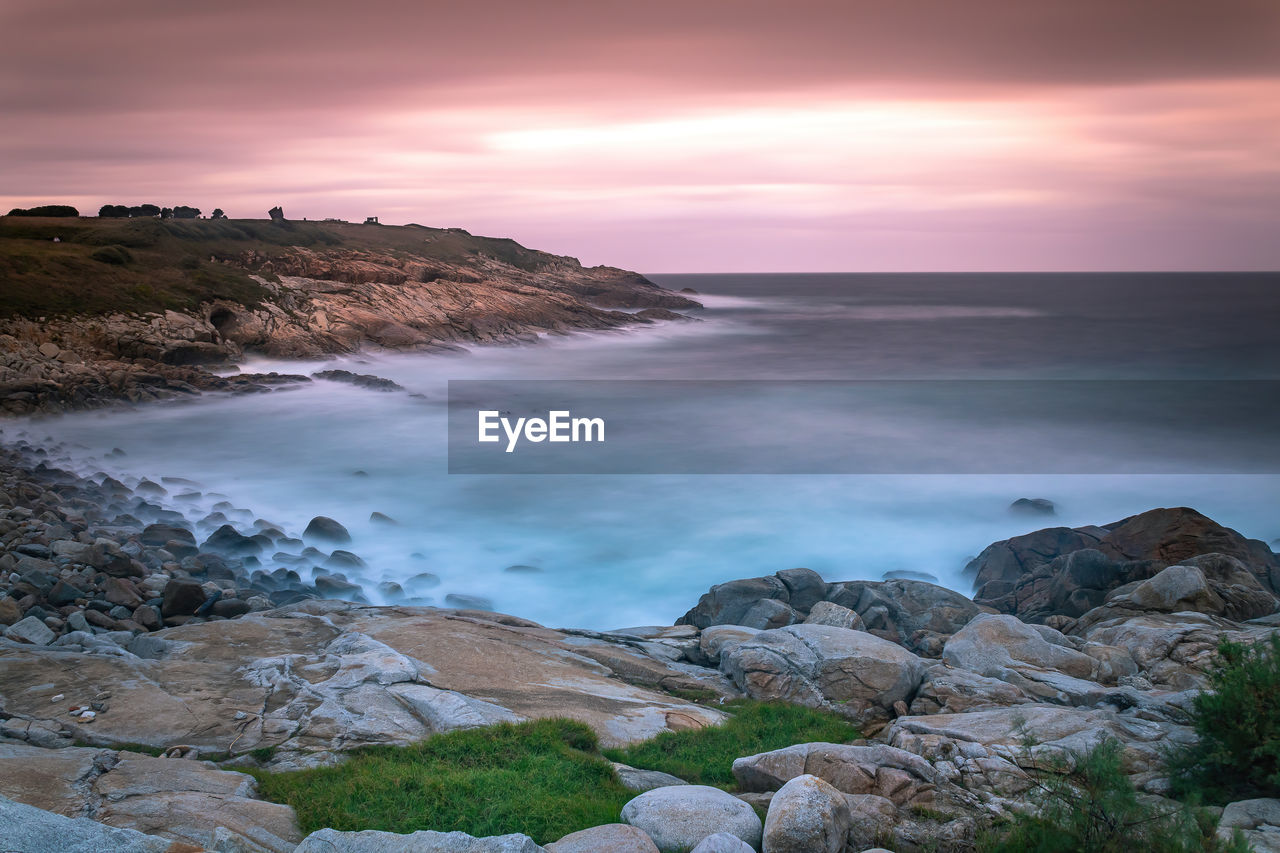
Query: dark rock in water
x,y
214,519
688,290
289,542
344,560
315,554
379,518
1033,506
468,602
391,590
288,559
64,593
159,534
650,315
909,575
325,529
181,549
182,597
331,586
520,569
359,473
729,603
227,540
181,481
229,608
282,597
187,496
146,487
1065,572
360,380
421,581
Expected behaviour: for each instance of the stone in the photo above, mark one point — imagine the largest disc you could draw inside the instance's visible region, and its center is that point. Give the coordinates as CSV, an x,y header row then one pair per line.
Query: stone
x,y
635,779
30,630
712,641
1033,506
992,645
807,815
851,672
723,842
64,593
1258,821
227,540
182,597
424,841
679,818
325,529
159,534
10,612
853,769
32,830
609,838
829,613
912,613
728,603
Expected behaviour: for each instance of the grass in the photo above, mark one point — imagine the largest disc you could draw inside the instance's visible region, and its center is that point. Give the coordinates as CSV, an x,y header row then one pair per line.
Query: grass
x,y
545,778
144,265
705,756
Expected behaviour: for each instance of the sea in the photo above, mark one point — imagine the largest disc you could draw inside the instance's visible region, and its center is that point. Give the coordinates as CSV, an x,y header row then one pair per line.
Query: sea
x,y
862,425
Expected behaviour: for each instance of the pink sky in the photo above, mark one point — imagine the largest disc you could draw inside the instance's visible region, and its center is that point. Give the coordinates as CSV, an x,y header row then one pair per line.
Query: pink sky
x,y
702,135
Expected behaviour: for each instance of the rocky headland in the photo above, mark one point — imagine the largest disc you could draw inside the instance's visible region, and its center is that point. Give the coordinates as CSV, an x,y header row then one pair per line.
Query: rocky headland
x,y
147,661
203,294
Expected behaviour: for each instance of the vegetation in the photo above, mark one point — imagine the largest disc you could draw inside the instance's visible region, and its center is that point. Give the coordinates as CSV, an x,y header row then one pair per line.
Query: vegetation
x,y
545,778
541,778
1088,805
117,255
52,210
705,756
1237,720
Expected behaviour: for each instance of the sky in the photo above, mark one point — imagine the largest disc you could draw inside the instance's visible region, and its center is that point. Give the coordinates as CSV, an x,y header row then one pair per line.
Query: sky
x,y
691,136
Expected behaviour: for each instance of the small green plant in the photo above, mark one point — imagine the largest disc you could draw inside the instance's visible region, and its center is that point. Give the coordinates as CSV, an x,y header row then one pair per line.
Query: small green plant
x,y
263,753
1237,720
705,756
115,255
542,778
1087,805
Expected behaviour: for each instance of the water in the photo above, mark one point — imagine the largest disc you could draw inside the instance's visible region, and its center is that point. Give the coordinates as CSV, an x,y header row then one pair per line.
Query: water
x,y
615,550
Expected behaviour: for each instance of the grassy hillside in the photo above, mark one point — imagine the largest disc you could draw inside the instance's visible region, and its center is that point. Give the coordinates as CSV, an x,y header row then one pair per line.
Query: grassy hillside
x,y
102,265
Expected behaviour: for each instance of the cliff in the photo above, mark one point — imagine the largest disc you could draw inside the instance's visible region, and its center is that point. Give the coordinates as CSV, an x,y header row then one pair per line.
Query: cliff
x,y
97,310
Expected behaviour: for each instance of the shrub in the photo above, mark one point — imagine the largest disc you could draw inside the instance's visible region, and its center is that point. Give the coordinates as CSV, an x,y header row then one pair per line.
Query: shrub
x,y
218,214
116,255
183,212
705,756
144,210
63,210
114,211
1088,805
1237,755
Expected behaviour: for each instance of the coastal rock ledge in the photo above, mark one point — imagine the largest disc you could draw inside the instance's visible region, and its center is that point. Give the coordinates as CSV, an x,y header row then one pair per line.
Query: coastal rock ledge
x,y
944,689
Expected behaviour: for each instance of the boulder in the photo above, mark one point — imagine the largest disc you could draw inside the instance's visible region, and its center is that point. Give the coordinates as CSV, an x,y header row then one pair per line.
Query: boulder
x,y
1258,821
853,769
30,630
679,818
425,841
829,613
635,779
807,815
158,534
852,672
723,842
181,597
729,603
1212,583
227,540
912,613
1033,506
325,529
32,830
609,838
994,645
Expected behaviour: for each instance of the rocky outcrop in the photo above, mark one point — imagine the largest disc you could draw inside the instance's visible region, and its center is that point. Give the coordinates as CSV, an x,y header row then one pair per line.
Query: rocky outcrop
x,y
679,818
1063,571
319,302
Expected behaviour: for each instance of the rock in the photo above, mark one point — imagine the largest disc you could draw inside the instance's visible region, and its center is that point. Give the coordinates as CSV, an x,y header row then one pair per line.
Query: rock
x,y
714,640
876,769
1212,583
729,603
468,602
10,612
182,597
993,645
32,830
723,842
325,529
851,672
64,593
425,841
381,518
635,779
678,818
159,534
827,613
1037,575
807,815
30,630
914,614
360,380
227,540
1258,821
609,838
1033,506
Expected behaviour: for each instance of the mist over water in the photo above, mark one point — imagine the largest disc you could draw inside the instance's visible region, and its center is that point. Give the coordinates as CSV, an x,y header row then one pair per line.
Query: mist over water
x,y
615,550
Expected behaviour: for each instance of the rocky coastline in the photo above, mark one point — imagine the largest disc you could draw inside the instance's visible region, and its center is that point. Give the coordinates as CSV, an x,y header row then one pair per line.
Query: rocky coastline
x,y
146,661
433,290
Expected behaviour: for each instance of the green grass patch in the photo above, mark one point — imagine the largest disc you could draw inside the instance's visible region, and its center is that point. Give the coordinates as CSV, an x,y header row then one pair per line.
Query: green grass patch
x,y
543,778
705,756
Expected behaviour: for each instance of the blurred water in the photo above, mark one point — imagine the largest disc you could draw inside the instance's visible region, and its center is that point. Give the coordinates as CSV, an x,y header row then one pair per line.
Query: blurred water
x,y
639,549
